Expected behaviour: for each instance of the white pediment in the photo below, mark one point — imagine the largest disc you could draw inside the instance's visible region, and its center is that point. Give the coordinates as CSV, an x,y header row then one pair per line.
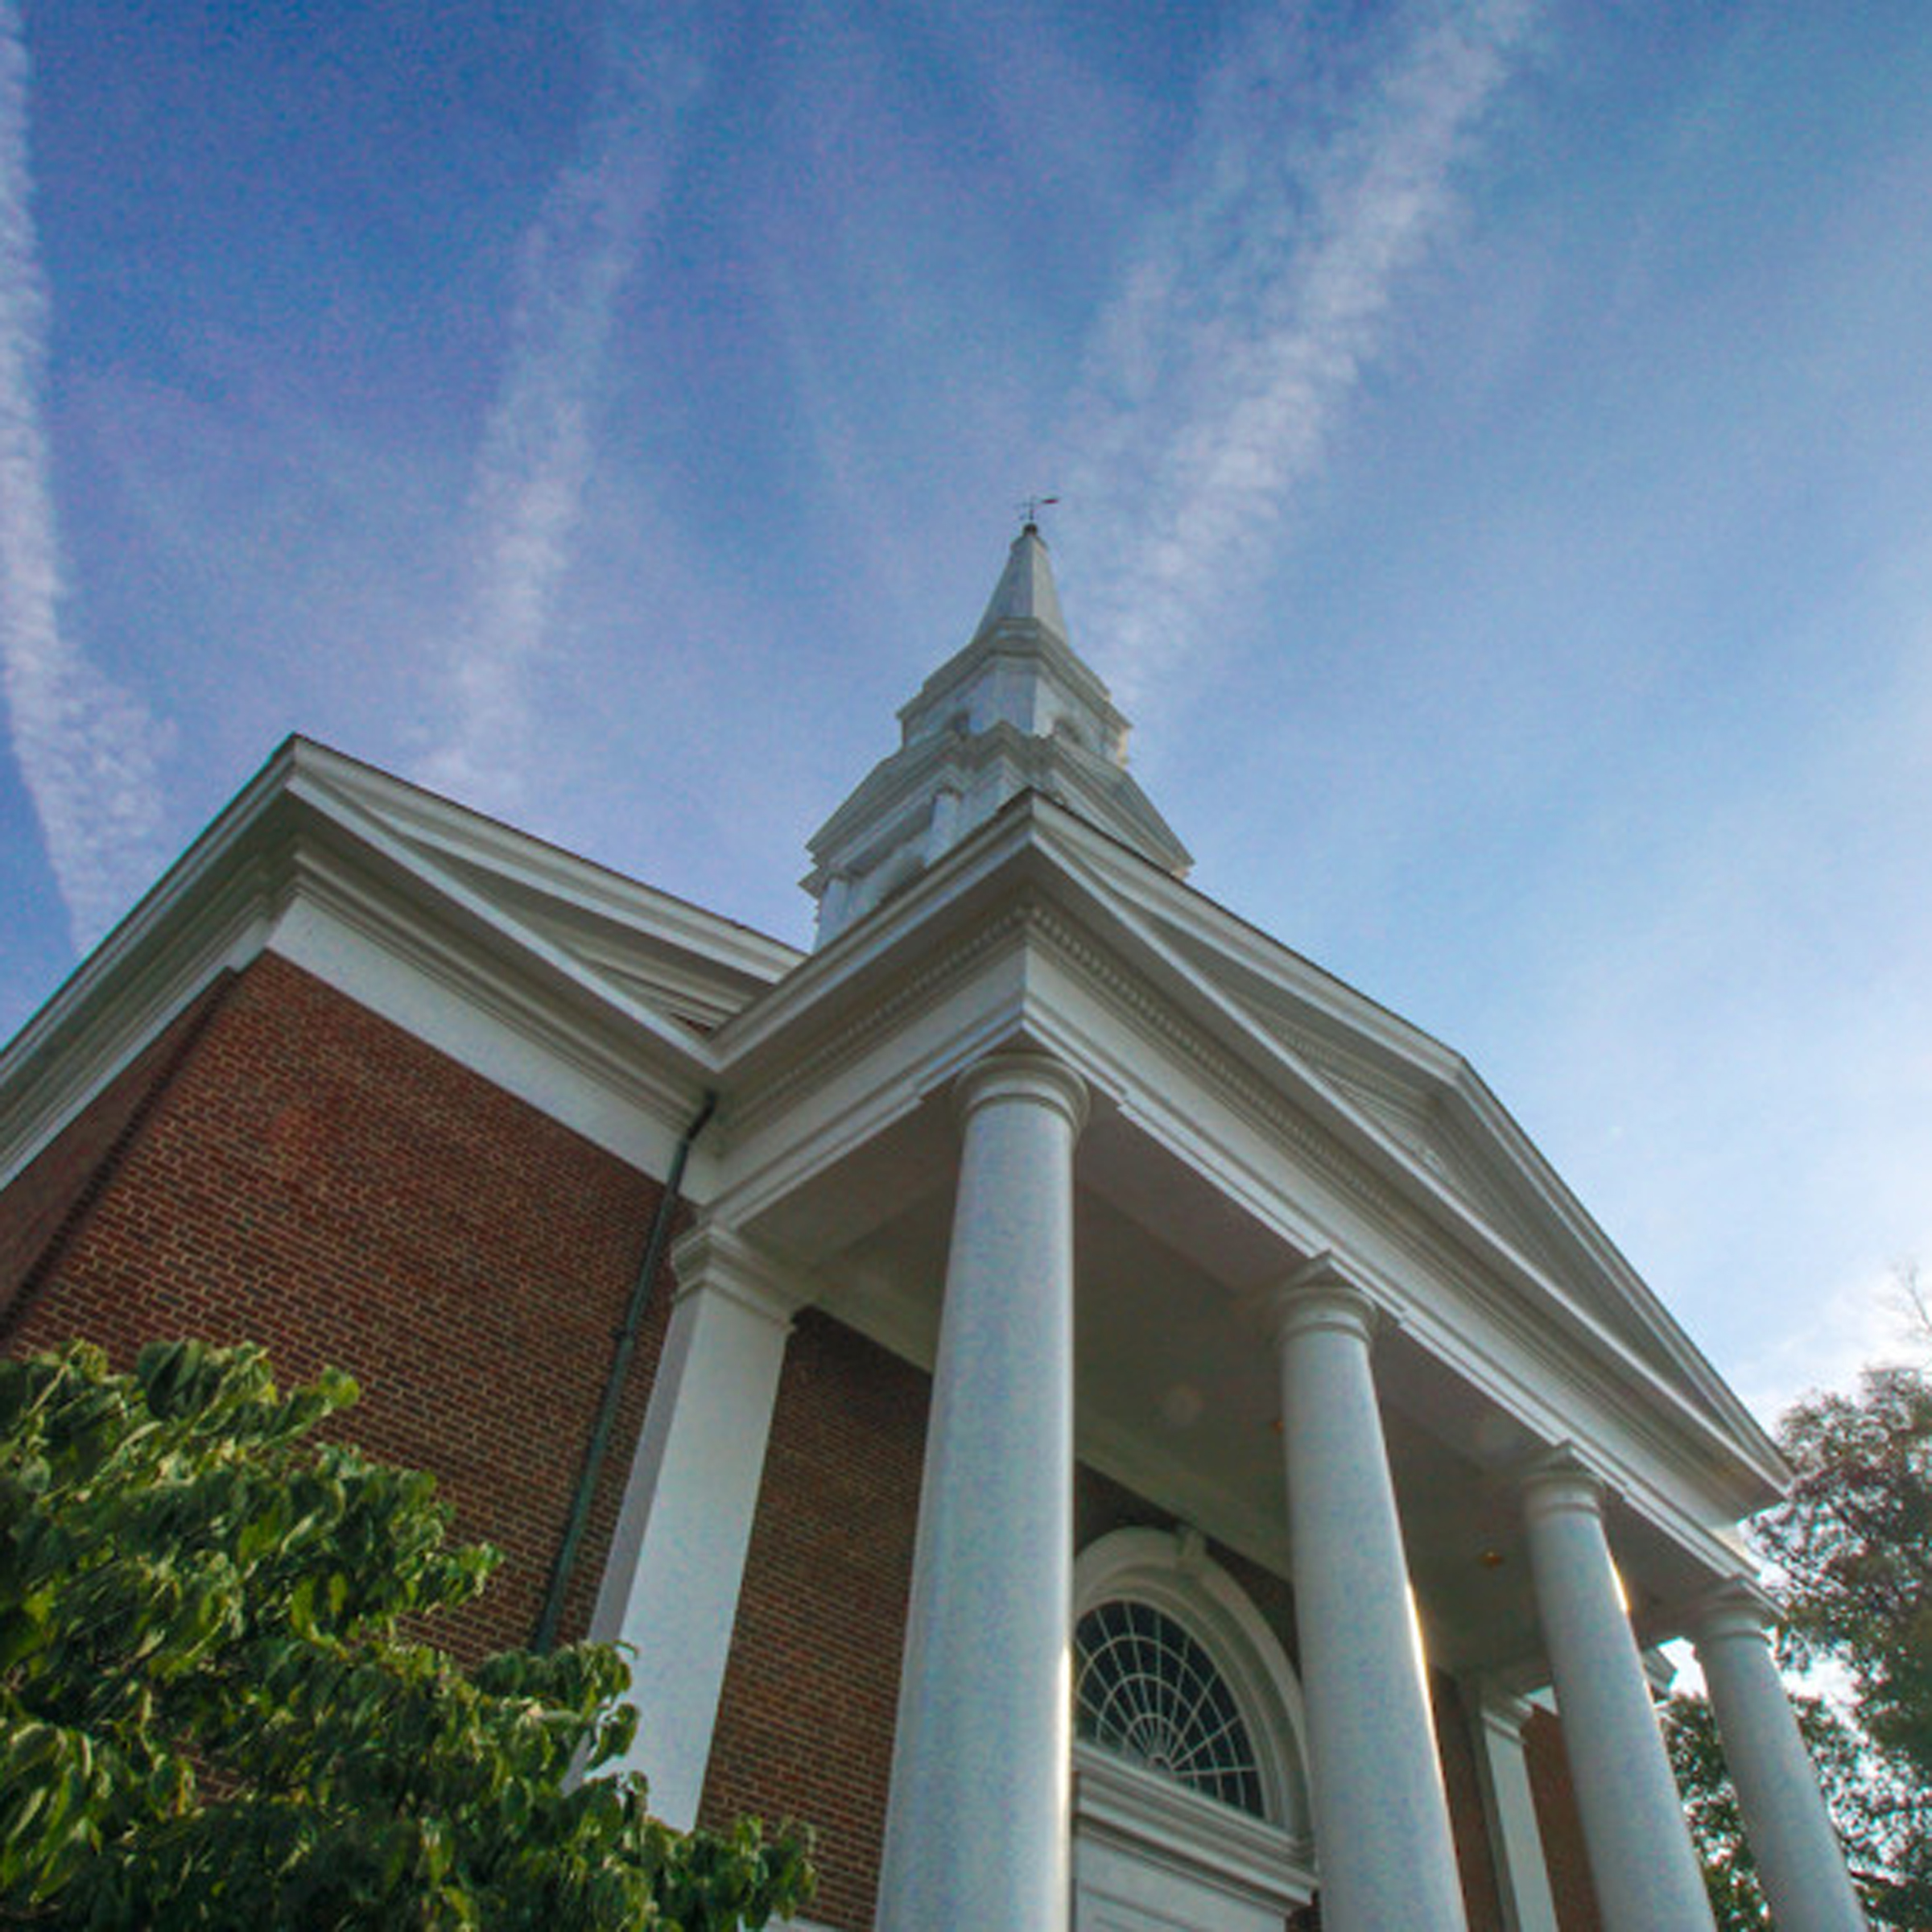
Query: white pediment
x,y
691,967
1458,1155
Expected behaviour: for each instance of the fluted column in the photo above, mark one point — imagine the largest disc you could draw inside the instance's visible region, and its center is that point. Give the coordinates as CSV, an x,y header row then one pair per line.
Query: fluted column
x,y
1646,1874
977,1832
1798,1858
1381,1821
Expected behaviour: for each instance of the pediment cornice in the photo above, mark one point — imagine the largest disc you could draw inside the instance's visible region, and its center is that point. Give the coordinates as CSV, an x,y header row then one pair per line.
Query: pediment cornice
x,y
1401,1147
369,883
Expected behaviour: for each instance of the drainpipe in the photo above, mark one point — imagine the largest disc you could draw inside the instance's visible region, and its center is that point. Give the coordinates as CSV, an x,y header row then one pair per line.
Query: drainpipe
x,y
598,1445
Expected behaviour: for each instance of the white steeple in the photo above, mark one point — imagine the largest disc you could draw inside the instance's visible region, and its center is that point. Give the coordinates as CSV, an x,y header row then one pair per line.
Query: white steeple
x,y
1015,711
1026,588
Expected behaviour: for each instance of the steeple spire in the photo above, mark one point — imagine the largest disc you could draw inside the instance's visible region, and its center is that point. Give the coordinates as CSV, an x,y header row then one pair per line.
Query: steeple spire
x,y
1016,710
1025,591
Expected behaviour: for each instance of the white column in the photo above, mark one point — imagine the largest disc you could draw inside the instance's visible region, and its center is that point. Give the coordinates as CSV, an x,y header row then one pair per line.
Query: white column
x,y
1510,1806
1381,1821
677,1558
1798,1858
1645,1872
977,1832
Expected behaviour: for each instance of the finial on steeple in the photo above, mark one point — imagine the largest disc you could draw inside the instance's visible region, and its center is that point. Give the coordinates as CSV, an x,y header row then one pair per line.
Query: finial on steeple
x,y
1030,511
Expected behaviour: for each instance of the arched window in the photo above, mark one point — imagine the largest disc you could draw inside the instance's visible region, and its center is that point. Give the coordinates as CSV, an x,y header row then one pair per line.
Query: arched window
x,y
1146,1690
1191,1803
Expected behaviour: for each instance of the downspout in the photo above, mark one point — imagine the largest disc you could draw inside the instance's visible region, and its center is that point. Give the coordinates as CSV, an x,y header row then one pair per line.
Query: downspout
x,y
598,1445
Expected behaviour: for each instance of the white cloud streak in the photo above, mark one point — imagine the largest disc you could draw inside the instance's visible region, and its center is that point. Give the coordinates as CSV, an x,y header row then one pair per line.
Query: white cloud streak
x,y
1215,382
538,448
90,752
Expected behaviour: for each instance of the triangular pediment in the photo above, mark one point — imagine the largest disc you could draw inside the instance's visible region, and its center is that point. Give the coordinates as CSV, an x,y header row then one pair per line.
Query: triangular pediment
x,y
1461,1156
579,990
1412,1100
691,967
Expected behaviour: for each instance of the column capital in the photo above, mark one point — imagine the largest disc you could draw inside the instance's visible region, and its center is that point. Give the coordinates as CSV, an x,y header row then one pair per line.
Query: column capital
x,y
1562,1483
1321,1294
1501,1711
1022,1076
1736,1608
714,1259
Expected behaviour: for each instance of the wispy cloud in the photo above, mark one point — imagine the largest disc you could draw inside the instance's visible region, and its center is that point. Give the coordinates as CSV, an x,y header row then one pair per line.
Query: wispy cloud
x,y
90,752
538,447
1215,381
1855,1326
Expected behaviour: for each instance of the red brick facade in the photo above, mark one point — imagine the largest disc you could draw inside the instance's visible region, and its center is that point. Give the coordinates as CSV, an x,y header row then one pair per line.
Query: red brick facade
x,y
1561,1826
283,1166
307,1175
806,1723
51,1196
1455,1744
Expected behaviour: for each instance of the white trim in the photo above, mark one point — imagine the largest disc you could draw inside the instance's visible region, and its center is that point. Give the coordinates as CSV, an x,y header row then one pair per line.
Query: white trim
x,y
420,909
1164,1824
1496,1722
1104,984
676,1563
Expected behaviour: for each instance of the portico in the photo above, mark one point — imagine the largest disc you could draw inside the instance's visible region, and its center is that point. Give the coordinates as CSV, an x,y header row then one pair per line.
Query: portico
x,y
1149,1195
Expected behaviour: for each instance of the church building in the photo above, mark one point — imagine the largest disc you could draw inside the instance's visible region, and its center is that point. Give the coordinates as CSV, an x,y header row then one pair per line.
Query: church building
x,y
1107,1424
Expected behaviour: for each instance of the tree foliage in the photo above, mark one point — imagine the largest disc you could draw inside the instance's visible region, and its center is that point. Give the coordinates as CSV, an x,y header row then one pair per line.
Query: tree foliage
x,y
218,1708
1851,1550
1853,1544
1717,1827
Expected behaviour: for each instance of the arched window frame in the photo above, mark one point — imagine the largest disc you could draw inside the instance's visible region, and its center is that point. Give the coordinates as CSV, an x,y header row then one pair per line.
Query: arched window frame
x,y
1172,1571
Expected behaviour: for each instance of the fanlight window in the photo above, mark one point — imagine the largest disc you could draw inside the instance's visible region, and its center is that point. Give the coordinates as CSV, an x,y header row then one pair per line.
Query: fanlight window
x,y
1144,1690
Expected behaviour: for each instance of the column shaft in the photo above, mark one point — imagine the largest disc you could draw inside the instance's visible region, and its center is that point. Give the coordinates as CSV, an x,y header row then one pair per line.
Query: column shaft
x,y
1645,1872
1382,1835
1798,1858
677,1559
977,1831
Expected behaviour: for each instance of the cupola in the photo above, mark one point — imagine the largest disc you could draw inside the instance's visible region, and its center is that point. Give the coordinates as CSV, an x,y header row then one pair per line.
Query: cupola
x,y
1016,710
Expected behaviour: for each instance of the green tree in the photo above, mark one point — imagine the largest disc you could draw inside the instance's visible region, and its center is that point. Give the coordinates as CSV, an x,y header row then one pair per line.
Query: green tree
x,y
1851,1550
1717,1827
1853,1546
219,1706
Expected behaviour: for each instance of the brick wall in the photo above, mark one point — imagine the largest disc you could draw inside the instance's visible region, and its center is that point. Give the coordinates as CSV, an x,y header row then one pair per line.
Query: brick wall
x,y
305,1174
1561,1827
283,1166
1482,1900
55,1189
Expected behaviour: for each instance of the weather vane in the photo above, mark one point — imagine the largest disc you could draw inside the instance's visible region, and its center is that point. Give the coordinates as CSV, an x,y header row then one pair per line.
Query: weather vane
x,y
1030,510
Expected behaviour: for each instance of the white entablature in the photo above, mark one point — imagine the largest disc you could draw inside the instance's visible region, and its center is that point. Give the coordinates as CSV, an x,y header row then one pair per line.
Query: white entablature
x,y
1015,711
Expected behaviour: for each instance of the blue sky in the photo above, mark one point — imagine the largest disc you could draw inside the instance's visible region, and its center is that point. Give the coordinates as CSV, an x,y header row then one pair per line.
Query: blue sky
x,y
1495,443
